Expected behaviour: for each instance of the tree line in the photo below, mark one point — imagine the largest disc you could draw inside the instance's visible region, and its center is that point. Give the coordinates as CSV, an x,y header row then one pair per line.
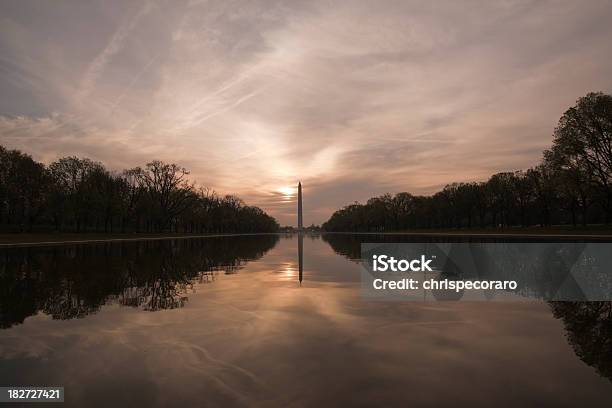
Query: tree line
x,y
80,195
571,185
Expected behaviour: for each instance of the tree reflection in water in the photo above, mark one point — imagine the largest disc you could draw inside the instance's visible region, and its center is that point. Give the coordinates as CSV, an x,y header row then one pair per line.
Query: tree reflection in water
x,y
588,328
70,282
588,325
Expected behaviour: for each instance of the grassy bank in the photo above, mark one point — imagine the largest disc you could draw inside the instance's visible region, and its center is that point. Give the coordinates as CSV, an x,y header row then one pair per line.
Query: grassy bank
x,y
604,232
553,230
49,238
9,239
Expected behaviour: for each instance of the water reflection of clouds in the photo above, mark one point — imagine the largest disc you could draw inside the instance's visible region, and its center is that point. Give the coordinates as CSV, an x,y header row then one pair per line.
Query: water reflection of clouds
x,y
253,339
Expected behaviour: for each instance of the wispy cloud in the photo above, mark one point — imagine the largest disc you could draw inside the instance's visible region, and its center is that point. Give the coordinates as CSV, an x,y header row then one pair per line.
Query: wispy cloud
x,y
99,63
352,98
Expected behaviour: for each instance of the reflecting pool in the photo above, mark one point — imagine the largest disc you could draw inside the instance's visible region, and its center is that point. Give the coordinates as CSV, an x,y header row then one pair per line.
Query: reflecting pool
x,y
246,321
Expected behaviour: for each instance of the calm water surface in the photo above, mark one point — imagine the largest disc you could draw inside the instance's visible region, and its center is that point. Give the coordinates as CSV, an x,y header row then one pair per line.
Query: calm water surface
x,y
226,322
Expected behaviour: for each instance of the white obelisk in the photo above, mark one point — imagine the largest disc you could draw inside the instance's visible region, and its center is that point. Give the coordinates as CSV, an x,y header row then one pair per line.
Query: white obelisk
x,y
300,224
300,235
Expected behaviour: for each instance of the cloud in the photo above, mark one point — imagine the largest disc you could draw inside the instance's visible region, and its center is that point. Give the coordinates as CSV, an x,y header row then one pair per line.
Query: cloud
x,y
353,98
99,63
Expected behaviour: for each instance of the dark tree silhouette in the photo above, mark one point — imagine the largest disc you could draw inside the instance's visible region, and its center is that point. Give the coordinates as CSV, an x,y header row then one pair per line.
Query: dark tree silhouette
x,y
573,181
23,189
583,142
588,327
167,190
75,194
68,282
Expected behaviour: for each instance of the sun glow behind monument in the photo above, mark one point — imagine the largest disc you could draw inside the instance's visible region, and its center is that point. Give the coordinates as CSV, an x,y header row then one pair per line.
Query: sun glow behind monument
x,y
287,193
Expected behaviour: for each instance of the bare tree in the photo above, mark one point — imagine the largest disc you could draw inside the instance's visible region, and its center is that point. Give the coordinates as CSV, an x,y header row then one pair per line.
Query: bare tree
x,y
168,190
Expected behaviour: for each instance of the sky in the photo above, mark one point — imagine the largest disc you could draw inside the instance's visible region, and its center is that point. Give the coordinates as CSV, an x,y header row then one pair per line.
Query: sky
x,y
353,98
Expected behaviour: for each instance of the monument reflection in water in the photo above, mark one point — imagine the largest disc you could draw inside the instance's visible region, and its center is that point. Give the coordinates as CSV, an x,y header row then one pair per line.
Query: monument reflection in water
x,y
300,257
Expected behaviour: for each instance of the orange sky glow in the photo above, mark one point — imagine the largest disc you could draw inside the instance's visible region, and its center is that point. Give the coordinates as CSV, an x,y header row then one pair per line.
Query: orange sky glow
x,y
353,98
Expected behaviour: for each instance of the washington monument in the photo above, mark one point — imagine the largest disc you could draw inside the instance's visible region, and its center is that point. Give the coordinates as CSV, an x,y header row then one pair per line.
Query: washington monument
x,y
300,235
299,209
